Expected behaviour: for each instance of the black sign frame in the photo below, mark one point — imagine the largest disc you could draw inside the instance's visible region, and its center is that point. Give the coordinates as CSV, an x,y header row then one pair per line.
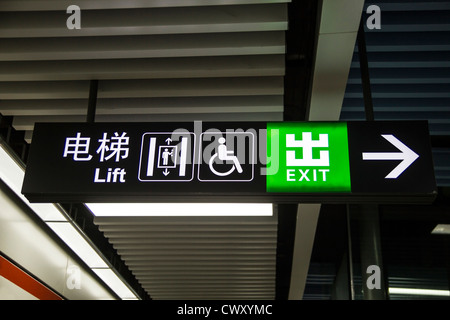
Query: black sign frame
x,y
52,175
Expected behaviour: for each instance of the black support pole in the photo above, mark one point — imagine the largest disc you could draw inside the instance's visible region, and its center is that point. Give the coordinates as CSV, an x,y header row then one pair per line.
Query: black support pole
x,y
370,252
365,77
367,215
92,105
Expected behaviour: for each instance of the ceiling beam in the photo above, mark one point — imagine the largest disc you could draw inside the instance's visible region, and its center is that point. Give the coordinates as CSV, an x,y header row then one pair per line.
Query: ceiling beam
x,y
339,22
51,5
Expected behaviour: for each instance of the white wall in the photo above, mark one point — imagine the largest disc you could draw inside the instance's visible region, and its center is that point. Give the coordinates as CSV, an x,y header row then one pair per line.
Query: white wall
x,y
23,240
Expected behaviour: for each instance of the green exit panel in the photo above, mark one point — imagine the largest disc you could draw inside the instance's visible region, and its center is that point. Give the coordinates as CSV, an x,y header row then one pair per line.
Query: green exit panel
x,y
307,157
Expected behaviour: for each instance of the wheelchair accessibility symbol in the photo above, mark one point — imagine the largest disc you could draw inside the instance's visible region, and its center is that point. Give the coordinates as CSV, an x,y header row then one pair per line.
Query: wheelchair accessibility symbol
x,y
226,156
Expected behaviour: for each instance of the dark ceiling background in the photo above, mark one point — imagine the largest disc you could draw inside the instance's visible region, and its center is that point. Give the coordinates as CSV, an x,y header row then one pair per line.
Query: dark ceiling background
x,y
409,67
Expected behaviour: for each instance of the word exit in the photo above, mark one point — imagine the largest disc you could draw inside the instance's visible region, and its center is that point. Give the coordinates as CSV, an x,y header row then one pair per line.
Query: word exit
x,y
306,175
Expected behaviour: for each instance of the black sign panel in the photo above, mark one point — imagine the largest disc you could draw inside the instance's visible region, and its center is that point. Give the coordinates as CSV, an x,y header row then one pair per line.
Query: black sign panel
x,y
390,157
149,162
229,162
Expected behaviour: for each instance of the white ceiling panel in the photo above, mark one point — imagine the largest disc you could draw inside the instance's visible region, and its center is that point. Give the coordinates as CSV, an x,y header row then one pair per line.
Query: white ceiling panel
x,y
198,257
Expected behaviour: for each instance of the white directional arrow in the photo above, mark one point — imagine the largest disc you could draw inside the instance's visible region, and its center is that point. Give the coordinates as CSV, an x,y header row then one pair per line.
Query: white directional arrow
x,y
407,155
168,140
166,172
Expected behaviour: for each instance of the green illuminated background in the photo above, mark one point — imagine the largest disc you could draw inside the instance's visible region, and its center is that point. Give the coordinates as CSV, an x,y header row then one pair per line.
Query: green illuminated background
x,y
338,176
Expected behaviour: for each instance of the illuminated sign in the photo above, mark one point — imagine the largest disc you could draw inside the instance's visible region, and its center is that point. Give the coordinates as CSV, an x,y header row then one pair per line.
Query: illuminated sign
x,y
312,157
230,162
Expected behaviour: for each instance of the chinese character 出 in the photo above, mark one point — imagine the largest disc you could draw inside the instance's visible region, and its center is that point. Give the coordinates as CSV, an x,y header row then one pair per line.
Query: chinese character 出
x,y
307,144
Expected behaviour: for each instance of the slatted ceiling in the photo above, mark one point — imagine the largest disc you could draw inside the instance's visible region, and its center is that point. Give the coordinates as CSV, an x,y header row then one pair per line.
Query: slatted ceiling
x,y
145,88
147,21
147,248
195,243
157,68
441,157
409,62
57,5
409,76
142,52
198,257
152,46
25,123
172,60
164,105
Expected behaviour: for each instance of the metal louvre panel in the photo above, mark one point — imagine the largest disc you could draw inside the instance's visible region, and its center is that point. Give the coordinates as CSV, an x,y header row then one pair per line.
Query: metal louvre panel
x,y
409,65
409,70
147,46
174,60
157,68
209,60
198,258
181,20
51,5
145,88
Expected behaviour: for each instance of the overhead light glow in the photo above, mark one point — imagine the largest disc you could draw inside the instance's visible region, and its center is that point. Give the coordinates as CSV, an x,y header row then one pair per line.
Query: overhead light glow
x,y
78,244
12,172
441,229
180,209
421,292
109,277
